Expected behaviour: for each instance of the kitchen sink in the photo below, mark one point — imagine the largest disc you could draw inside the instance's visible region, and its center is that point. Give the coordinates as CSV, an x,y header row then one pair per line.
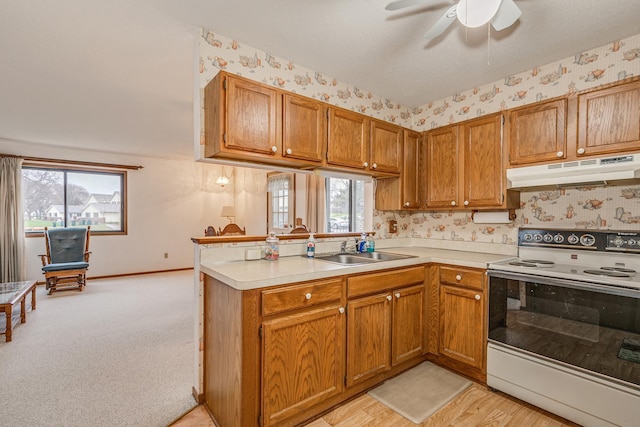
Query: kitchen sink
x,y
361,258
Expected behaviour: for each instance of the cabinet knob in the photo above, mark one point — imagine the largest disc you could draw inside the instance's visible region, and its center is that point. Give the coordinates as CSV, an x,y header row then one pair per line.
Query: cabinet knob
x,y
289,151
389,297
581,150
341,310
365,164
458,277
397,295
374,166
466,203
560,153
407,204
477,297
274,149
308,296
453,203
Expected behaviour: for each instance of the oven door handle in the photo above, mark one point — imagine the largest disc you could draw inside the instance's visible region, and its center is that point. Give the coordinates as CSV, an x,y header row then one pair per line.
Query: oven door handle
x,y
575,284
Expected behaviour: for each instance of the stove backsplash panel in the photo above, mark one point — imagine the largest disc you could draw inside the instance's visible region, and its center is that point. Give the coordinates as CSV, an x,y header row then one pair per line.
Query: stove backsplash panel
x,y
593,208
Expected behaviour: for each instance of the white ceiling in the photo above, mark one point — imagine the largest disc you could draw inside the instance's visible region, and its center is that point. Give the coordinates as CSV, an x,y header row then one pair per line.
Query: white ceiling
x,y
117,75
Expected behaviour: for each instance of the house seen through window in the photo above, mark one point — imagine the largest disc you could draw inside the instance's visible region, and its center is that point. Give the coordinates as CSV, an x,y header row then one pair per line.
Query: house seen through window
x,y
73,198
345,204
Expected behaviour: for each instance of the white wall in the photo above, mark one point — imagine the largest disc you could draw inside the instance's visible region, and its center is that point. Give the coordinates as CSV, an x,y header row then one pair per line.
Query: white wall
x,y
169,202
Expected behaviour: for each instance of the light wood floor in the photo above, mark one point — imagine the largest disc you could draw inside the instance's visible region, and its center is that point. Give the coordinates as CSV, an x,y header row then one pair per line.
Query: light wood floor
x,y
476,406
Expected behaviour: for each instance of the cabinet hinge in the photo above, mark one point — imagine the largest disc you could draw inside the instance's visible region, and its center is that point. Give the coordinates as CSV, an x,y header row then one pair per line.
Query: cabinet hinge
x,y
260,331
345,380
224,84
259,420
502,199
224,137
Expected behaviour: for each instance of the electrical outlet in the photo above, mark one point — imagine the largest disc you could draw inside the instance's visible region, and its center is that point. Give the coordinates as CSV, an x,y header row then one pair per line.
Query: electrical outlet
x,y
166,255
393,226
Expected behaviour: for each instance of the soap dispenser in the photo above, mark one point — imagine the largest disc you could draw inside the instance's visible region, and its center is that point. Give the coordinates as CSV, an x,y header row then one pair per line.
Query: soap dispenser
x,y
272,251
311,246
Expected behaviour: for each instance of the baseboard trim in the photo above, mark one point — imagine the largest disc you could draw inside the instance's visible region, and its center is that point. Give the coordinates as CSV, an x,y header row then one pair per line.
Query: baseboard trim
x,y
199,397
139,273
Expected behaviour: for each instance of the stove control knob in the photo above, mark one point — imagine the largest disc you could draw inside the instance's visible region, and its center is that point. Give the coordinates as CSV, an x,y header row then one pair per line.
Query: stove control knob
x,y
537,237
618,241
558,238
527,237
631,242
548,238
573,239
587,240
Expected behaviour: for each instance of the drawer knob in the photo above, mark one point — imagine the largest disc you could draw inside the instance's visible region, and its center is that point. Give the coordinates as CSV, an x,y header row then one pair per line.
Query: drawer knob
x,y
458,277
289,151
397,294
308,296
341,310
389,297
581,150
477,297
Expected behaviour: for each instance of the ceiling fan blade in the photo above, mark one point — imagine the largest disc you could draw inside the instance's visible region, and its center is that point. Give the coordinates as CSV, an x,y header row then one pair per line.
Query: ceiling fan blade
x,y
442,23
506,16
399,4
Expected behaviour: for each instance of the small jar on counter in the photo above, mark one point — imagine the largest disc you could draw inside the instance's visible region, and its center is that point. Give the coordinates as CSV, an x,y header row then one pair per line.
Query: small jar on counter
x,y
272,251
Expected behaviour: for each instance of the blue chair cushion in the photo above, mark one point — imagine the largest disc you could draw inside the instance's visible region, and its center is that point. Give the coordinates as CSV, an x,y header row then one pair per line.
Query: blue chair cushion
x,y
65,266
67,244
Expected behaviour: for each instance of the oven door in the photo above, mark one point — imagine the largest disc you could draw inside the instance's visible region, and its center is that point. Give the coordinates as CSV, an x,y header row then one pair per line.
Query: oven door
x,y
570,347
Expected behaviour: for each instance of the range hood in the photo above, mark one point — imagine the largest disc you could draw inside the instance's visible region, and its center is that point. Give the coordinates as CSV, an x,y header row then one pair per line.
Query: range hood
x,y
600,171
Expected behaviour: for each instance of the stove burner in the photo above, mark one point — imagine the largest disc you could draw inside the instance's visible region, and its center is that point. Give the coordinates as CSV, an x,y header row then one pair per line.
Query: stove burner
x,y
608,273
538,262
620,270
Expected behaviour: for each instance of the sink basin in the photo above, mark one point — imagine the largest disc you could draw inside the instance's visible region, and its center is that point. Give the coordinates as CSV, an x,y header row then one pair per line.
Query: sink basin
x,y
345,259
362,258
383,256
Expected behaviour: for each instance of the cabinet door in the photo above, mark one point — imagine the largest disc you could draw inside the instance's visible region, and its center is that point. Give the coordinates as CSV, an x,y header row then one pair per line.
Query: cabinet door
x,y
368,337
462,321
302,362
538,133
483,163
443,157
408,324
386,147
253,120
410,170
348,143
609,120
304,128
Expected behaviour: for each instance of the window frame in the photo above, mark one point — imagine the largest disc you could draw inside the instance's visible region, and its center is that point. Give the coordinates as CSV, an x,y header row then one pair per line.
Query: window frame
x,y
291,203
92,170
352,204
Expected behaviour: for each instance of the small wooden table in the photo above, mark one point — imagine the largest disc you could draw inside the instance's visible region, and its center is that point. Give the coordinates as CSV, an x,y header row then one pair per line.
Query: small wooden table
x,y
11,293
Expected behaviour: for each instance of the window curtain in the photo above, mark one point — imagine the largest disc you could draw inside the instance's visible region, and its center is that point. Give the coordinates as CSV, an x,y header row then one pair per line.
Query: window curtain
x,y
12,240
316,218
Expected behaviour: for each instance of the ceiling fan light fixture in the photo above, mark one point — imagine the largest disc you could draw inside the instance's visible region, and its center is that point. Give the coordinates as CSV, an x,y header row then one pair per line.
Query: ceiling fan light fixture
x,y
476,13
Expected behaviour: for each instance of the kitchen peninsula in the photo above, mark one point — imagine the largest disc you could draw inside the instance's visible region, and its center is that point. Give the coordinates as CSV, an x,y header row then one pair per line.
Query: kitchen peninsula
x,y
283,341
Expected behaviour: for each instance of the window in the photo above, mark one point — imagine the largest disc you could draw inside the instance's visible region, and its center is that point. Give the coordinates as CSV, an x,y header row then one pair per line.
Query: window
x,y
280,202
61,197
345,205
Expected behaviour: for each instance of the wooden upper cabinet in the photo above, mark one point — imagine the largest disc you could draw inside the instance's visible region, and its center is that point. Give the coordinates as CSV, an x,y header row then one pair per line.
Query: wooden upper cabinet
x,y
385,147
538,133
411,170
305,128
443,157
484,182
348,140
609,120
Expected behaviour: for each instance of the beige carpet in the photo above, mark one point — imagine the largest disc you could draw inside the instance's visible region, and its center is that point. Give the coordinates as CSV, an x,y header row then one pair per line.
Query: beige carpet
x,y
119,354
419,392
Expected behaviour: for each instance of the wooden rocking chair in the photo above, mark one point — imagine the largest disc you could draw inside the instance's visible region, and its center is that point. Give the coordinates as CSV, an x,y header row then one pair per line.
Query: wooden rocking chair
x,y
67,259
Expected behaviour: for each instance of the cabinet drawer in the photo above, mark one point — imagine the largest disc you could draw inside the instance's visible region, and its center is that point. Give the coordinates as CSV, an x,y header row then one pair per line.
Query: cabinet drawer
x,y
462,277
377,282
300,296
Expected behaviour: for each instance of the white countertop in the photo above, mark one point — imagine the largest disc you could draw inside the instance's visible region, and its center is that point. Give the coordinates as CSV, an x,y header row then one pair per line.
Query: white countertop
x,y
243,275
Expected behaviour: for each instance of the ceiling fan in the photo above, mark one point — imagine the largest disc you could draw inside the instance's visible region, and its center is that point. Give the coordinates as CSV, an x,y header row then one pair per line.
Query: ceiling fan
x,y
471,13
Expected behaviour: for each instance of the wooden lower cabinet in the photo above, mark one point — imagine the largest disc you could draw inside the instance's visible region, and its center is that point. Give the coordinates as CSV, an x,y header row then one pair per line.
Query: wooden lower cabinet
x,y
302,362
278,356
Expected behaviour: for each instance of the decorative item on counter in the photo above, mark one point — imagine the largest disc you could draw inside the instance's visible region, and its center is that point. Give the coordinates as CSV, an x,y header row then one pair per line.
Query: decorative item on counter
x,y
362,243
311,246
371,244
272,251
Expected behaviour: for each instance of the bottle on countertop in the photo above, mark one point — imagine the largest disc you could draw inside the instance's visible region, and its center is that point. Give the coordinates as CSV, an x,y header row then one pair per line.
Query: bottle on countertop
x,y
272,251
311,246
371,244
362,243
